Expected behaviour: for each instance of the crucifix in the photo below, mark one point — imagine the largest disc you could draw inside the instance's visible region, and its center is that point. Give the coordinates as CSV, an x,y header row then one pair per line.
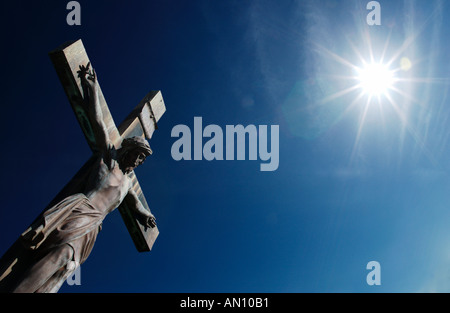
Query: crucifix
x,y
62,237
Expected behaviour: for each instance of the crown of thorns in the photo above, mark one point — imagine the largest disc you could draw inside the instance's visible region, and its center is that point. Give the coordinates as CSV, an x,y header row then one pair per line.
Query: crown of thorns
x,y
137,143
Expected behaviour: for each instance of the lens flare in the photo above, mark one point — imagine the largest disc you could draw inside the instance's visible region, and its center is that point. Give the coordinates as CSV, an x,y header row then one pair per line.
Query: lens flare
x,y
405,64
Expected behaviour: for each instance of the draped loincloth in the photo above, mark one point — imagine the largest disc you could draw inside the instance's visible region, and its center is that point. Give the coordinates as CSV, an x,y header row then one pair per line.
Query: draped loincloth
x,y
74,221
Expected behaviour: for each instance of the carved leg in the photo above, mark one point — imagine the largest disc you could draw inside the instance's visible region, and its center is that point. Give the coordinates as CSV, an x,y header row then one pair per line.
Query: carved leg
x,y
45,273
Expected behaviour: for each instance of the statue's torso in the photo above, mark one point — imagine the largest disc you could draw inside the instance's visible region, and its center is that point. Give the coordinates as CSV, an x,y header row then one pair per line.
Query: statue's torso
x,y
107,187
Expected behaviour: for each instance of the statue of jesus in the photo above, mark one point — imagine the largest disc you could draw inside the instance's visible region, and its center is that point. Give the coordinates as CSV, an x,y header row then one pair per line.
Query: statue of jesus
x,y
63,237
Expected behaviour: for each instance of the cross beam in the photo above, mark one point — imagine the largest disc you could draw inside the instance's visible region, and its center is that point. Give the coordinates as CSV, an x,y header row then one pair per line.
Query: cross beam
x,y
142,121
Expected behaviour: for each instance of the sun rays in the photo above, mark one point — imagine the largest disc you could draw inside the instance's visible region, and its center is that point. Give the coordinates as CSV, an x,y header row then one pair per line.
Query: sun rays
x,y
376,80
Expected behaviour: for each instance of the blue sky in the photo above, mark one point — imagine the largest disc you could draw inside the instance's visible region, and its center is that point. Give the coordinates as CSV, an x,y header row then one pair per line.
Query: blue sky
x,y
357,181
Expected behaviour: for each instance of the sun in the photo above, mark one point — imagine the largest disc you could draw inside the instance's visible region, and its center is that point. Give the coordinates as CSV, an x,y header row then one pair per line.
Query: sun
x,y
375,82
375,79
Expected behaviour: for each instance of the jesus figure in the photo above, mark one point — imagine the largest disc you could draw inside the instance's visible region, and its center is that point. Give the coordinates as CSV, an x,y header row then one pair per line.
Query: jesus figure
x,y
63,237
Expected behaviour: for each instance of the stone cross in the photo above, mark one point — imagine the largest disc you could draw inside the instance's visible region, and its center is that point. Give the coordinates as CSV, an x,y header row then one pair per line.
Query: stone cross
x,y
25,269
142,121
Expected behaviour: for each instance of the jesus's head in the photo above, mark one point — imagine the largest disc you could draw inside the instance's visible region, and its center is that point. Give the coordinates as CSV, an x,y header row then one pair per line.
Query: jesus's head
x,y
133,153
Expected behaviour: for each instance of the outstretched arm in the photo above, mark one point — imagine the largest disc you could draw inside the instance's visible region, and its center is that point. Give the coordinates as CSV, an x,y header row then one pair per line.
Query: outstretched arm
x,y
147,217
90,88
